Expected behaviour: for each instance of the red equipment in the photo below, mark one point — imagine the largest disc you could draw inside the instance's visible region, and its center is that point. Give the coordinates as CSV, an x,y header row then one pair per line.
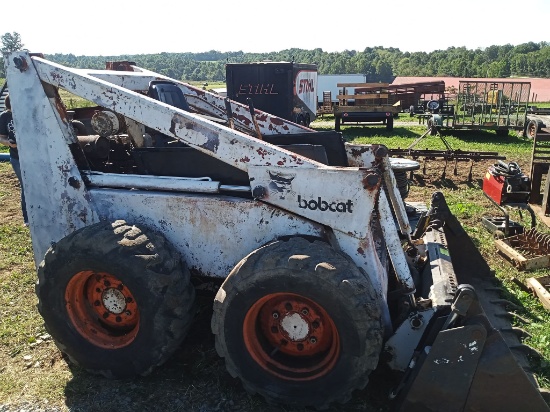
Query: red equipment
x,y
507,187
505,184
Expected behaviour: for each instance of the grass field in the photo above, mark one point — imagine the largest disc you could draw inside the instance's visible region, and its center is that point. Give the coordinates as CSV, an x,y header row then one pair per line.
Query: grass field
x,y
32,370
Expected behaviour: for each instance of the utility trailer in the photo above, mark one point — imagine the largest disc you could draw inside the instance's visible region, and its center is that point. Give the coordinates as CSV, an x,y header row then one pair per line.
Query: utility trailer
x,y
481,105
370,103
537,119
284,89
323,279
414,96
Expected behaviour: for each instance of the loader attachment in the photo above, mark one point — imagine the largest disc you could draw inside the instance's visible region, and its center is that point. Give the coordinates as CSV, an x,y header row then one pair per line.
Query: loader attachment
x,y
469,367
470,358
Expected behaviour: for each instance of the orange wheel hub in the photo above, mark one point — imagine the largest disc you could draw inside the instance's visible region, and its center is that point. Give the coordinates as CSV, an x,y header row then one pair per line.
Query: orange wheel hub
x,y
291,336
102,309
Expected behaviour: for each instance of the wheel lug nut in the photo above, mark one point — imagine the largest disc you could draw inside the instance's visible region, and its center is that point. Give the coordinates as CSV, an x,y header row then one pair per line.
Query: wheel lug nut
x,y
275,315
305,312
313,339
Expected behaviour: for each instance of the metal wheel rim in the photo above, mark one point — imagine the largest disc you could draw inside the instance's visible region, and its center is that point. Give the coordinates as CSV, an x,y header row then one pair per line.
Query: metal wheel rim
x,y
102,309
291,337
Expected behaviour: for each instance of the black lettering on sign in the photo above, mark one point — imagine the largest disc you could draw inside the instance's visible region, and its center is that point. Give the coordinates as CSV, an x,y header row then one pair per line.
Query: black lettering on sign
x,y
323,205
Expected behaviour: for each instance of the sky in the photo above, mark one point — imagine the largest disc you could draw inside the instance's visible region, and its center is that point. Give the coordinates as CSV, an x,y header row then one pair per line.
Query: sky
x,y
116,27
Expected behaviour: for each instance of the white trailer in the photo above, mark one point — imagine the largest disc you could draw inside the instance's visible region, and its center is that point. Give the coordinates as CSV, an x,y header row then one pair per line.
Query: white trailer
x,y
328,83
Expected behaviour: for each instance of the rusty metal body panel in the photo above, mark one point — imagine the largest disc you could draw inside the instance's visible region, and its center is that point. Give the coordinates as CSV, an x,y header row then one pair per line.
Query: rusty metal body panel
x,y
212,232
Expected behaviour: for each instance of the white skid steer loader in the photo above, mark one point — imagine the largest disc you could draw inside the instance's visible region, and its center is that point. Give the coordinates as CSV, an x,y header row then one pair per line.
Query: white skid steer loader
x,y
324,279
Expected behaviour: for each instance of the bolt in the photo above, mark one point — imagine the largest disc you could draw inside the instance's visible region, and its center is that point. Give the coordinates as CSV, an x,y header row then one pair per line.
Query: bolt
x,y
416,322
371,181
127,313
313,339
305,312
275,315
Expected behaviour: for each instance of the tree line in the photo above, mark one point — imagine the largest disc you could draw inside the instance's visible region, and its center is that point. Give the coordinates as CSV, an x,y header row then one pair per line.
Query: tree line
x,y
377,63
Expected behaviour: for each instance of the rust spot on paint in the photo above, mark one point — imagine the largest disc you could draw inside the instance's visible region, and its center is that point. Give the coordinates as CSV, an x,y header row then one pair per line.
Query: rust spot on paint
x,y
243,119
61,110
244,159
298,160
360,251
277,122
262,152
358,152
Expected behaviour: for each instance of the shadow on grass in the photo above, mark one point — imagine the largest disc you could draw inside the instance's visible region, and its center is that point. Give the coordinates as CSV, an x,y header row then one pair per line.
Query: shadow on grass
x,y
193,379
485,136
351,133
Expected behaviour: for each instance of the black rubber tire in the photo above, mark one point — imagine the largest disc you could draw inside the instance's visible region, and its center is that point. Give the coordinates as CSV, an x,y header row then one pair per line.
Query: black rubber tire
x,y
389,124
531,129
147,266
330,279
